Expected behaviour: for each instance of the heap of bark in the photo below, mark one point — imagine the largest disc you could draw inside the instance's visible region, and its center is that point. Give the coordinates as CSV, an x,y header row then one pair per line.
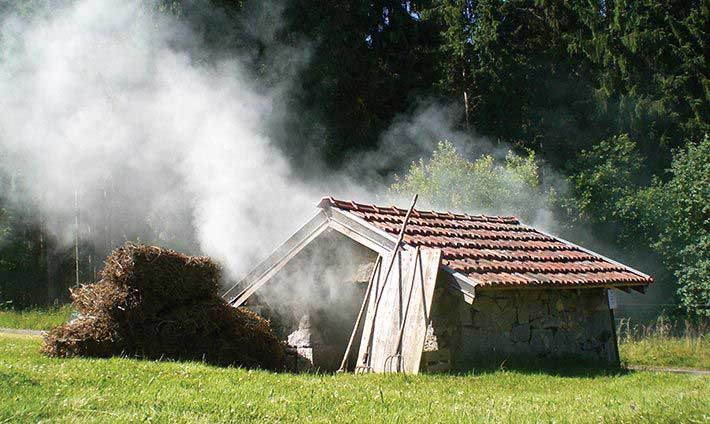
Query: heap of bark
x,y
157,303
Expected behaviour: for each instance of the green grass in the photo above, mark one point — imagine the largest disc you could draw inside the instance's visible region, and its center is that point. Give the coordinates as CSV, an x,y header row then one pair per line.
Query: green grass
x,y
686,352
665,342
35,319
36,388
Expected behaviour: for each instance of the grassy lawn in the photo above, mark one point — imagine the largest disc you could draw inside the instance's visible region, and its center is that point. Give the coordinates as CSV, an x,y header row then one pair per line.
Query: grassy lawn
x,y
36,388
687,352
35,319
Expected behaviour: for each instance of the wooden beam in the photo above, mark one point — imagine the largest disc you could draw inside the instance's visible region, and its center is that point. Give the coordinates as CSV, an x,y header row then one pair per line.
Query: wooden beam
x,y
463,284
361,231
276,261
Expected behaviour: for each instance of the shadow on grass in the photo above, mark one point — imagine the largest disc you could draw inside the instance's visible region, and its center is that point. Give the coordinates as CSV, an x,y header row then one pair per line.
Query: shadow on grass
x,y
561,366
557,366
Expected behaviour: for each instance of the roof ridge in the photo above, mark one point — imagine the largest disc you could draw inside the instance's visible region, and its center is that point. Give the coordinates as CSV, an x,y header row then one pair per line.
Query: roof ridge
x,y
353,205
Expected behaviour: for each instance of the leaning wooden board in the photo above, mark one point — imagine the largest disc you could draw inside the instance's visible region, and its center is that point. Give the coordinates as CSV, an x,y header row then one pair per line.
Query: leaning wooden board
x,y
389,314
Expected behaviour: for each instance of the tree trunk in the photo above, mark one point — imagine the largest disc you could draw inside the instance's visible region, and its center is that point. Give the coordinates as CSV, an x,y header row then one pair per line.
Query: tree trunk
x,y
76,239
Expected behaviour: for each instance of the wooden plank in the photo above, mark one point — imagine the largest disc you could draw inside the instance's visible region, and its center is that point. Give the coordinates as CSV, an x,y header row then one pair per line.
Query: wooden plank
x,y
389,315
463,284
418,316
360,315
364,232
358,237
381,336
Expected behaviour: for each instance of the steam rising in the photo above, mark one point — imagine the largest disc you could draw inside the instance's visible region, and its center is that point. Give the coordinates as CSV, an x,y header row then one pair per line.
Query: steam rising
x,y
98,99
104,104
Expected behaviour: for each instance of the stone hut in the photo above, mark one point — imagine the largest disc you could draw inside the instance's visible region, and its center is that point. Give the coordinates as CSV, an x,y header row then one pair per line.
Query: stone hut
x,y
460,288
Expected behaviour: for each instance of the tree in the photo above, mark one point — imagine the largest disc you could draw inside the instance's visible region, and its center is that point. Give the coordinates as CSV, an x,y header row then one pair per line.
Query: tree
x,y
647,61
450,181
671,217
679,212
369,61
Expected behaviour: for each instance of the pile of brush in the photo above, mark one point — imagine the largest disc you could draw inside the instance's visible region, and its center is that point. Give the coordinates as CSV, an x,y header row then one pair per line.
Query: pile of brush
x,y
157,303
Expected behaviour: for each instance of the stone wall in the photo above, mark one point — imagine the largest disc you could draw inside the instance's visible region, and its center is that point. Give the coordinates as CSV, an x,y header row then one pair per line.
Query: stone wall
x,y
508,323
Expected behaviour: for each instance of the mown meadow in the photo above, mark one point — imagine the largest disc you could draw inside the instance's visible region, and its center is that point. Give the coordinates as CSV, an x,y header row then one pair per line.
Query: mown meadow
x,y
36,388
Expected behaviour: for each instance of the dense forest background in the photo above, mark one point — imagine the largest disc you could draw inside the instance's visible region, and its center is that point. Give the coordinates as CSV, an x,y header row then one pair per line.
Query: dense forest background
x,y
611,95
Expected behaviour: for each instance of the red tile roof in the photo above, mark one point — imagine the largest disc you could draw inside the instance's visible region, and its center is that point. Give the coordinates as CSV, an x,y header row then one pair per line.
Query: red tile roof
x,y
496,251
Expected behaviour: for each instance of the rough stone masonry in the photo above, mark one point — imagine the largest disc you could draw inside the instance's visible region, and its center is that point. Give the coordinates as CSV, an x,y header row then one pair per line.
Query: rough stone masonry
x,y
523,322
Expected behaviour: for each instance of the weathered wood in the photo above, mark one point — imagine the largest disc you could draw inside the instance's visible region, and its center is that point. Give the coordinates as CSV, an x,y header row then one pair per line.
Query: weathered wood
x,y
373,276
418,317
614,356
463,284
384,320
392,258
361,231
276,261
394,361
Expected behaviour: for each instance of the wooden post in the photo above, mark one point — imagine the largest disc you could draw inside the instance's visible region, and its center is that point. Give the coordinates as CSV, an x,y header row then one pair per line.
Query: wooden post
x,y
616,361
76,238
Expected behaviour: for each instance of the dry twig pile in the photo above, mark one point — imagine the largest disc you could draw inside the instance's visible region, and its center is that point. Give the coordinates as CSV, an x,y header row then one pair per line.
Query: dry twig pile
x,y
157,303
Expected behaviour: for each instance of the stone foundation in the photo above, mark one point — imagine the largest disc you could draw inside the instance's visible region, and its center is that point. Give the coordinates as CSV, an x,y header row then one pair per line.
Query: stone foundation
x,y
514,323
313,353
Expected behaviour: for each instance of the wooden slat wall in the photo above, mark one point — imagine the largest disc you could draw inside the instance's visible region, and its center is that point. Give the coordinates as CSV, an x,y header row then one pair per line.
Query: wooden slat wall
x,y
420,309
389,314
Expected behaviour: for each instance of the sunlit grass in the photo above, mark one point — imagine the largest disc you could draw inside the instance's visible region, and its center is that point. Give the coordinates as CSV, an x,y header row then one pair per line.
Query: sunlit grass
x,y
667,351
37,388
665,343
35,319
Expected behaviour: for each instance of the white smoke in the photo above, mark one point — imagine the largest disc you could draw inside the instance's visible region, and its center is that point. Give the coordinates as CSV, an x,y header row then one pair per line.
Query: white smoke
x,y
95,97
104,102
414,136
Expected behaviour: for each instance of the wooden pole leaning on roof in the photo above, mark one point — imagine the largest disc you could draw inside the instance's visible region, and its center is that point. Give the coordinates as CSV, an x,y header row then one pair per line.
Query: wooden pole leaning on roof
x,y
378,297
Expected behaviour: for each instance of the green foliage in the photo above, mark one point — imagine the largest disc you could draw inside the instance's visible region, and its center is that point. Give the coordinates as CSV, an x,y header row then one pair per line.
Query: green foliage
x,y
646,64
667,351
672,217
680,212
665,342
450,181
606,176
25,254
368,62
36,388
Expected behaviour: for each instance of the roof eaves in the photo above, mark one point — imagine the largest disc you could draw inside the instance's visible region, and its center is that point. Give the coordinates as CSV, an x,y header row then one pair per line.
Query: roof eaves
x,y
632,270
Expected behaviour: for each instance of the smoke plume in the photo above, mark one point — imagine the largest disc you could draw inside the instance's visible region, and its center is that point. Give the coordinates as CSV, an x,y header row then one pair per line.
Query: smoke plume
x,y
110,112
104,105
